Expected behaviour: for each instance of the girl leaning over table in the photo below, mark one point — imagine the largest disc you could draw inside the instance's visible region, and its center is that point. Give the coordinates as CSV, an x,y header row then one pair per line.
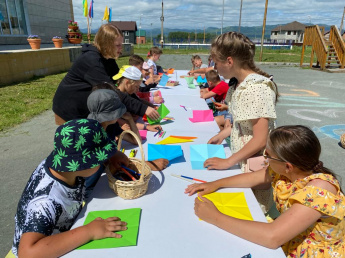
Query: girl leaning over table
x,y
308,196
252,104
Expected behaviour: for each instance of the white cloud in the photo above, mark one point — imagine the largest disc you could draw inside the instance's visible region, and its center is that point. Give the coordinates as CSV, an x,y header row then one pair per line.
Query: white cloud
x,y
195,14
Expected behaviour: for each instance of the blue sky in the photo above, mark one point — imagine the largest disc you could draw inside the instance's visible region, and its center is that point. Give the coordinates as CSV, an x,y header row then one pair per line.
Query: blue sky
x,y
195,14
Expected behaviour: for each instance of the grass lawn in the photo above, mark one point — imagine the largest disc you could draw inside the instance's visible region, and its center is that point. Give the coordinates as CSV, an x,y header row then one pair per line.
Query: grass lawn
x,y
20,102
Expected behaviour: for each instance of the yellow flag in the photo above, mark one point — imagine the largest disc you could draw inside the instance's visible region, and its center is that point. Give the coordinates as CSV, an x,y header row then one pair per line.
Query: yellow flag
x,y
106,14
85,8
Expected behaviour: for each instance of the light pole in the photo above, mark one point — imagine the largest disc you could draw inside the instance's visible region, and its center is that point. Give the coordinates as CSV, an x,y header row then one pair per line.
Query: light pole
x,y
139,31
239,23
162,20
151,34
309,20
221,29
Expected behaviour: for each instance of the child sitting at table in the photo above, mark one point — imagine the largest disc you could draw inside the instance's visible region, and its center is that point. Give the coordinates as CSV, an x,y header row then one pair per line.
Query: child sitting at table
x,y
146,84
148,81
128,81
54,194
153,56
217,91
105,107
308,196
199,68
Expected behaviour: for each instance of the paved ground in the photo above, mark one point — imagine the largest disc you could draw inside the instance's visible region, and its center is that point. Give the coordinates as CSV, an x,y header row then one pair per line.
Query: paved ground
x,y
309,97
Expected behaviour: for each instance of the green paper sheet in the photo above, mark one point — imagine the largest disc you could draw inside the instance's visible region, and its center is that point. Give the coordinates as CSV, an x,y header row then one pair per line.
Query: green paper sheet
x,y
129,236
163,112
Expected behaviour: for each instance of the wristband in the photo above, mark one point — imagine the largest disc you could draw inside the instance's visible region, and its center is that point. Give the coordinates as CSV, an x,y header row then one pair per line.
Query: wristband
x,y
145,126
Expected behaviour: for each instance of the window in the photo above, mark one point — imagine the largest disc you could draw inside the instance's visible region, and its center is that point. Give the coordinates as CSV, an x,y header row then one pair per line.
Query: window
x,y
295,32
12,18
126,40
126,33
276,33
289,32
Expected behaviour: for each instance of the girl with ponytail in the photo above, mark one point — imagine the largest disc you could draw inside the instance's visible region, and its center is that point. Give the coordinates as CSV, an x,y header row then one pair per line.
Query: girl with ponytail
x,y
308,196
251,102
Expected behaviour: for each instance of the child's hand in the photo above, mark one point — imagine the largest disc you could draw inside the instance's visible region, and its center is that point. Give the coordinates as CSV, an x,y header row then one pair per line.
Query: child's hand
x,y
103,228
216,163
205,209
204,188
221,107
217,139
125,127
158,100
191,72
154,128
119,158
158,164
152,113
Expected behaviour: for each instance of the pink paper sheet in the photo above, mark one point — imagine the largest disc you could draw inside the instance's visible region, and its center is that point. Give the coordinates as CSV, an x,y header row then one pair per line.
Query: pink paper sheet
x,y
202,116
143,134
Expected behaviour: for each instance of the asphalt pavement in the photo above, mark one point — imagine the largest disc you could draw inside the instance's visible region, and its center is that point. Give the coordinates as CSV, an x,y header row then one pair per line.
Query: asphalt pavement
x,y
308,97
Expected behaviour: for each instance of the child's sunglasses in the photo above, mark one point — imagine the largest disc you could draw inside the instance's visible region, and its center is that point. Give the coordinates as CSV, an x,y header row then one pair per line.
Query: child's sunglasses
x,y
266,156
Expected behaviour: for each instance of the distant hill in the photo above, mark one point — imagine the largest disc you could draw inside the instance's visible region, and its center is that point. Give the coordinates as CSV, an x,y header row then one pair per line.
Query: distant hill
x,y
253,32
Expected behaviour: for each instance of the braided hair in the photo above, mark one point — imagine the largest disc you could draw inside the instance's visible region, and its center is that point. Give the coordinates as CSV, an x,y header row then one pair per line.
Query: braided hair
x,y
241,48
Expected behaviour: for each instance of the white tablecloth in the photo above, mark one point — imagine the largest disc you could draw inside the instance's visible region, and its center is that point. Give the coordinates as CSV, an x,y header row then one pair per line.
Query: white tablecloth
x,y
168,225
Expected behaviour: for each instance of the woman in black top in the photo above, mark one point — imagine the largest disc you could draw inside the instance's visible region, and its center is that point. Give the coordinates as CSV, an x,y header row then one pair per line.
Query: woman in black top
x,y
95,65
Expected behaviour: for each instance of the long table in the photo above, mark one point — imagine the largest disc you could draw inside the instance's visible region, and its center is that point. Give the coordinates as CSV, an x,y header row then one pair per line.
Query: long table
x,y
168,226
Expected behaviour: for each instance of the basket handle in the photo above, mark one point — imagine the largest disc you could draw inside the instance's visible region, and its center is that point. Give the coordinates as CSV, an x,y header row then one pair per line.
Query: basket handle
x,y
138,141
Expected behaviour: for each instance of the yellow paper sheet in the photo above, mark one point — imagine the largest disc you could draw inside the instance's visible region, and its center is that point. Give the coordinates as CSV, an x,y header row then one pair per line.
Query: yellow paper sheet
x,y
231,204
173,140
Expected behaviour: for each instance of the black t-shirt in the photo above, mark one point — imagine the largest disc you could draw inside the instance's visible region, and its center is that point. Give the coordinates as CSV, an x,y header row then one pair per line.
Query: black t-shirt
x,y
91,68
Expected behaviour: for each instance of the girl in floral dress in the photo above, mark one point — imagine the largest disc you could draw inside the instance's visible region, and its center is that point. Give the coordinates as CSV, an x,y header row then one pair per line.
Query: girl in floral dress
x,y
252,103
307,194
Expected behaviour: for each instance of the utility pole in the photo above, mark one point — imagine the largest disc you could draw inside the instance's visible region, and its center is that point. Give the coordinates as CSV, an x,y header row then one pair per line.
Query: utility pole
x,y
195,36
204,35
151,34
263,31
139,31
221,29
239,23
162,20
341,24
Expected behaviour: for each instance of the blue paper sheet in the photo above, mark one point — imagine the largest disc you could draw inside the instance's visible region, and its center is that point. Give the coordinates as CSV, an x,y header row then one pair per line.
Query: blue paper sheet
x,y
200,80
164,80
168,152
199,153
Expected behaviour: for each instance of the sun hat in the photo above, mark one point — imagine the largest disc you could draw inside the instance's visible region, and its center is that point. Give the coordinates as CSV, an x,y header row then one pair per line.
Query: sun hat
x,y
129,72
105,105
80,144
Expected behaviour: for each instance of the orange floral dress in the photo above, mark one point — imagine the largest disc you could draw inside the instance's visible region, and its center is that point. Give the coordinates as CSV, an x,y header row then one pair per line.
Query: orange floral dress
x,y
325,238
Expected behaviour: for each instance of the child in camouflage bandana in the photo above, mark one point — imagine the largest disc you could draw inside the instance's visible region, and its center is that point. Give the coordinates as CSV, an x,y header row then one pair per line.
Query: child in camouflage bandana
x,y
53,196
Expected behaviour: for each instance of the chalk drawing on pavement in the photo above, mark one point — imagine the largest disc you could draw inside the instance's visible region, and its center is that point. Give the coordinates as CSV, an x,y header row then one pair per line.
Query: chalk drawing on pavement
x,y
329,131
304,93
301,113
317,102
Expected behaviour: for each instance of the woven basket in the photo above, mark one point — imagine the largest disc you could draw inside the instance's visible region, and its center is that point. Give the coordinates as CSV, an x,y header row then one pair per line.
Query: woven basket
x,y
131,189
342,140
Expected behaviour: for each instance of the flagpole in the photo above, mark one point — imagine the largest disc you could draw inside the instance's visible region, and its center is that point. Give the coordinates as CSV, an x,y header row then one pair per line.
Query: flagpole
x,y
88,30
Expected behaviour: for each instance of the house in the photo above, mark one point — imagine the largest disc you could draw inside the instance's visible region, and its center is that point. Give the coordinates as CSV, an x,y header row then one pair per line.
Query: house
x,y
129,29
141,36
289,33
43,18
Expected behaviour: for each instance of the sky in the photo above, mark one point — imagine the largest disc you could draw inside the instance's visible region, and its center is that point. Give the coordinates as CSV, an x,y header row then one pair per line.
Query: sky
x,y
197,14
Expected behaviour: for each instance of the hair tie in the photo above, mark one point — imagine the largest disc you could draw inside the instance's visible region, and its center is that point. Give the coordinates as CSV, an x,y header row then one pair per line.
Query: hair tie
x,y
148,54
318,167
